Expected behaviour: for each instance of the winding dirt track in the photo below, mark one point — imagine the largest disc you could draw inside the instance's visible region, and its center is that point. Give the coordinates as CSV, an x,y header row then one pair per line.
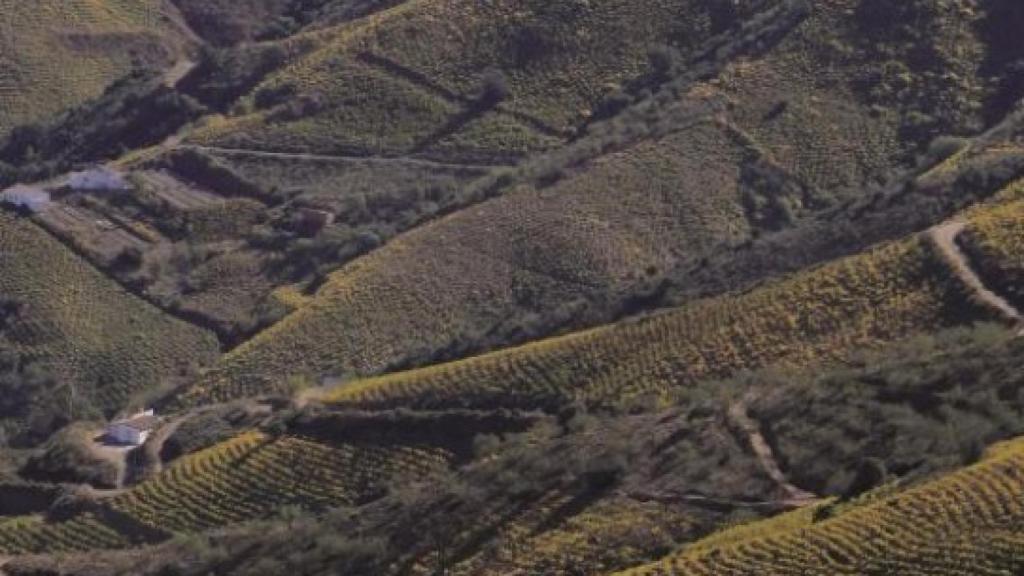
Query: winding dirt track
x,y
797,496
944,238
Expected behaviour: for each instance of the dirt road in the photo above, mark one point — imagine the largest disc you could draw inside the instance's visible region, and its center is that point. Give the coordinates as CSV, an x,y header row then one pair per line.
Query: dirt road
x,y
944,238
309,157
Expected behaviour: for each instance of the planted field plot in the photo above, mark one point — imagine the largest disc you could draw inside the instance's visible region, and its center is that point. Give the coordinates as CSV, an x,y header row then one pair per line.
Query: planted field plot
x,y
818,315
596,538
462,79
58,53
178,195
86,328
964,523
385,116
817,105
357,190
251,476
529,253
35,535
90,231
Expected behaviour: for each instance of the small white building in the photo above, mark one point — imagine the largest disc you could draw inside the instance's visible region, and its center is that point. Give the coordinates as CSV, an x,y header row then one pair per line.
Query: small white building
x,y
25,197
99,179
133,431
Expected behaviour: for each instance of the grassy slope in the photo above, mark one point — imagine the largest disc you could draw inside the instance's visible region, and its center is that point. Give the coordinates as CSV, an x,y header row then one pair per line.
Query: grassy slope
x,y
248,477
815,105
58,53
628,216
565,67
339,184
85,327
964,523
541,252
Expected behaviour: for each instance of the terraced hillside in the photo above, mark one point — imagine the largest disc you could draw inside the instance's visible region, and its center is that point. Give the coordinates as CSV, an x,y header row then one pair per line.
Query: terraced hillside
x,y
451,78
615,226
249,477
252,475
994,239
513,287
32,534
596,493
58,53
963,523
103,344
721,172
819,315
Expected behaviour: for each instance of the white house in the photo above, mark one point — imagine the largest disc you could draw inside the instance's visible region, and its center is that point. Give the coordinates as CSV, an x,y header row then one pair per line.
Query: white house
x,y
133,431
99,179
28,197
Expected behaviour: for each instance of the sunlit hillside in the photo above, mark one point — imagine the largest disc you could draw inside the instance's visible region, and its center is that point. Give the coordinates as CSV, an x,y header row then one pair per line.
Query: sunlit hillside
x,y
56,54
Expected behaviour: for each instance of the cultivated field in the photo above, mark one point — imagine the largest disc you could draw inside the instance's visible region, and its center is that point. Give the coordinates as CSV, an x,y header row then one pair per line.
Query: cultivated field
x,y
425,64
963,523
58,53
86,328
249,477
820,315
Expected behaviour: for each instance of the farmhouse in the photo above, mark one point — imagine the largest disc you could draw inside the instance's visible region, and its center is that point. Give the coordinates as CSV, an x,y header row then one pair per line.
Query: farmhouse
x,y
133,431
28,198
99,179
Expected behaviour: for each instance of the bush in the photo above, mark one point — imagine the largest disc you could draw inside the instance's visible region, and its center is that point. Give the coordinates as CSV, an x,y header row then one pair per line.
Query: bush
x,y
72,501
944,147
67,458
871,473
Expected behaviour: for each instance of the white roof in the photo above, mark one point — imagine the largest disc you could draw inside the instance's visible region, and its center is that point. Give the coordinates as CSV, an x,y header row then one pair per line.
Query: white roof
x,y
24,191
100,178
140,423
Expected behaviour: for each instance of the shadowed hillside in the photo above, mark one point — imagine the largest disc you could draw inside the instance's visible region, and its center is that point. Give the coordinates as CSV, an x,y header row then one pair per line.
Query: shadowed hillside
x,y
511,287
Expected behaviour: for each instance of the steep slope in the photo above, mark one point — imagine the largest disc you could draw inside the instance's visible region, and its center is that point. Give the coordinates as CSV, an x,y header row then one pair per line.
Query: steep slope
x,y
615,225
59,53
819,315
993,239
580,493
964,523
720,169
102,344
249,477
456,79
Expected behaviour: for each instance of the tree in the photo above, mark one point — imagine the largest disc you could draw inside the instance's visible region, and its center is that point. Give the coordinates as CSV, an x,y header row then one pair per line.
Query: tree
x,y
494,88
871,473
